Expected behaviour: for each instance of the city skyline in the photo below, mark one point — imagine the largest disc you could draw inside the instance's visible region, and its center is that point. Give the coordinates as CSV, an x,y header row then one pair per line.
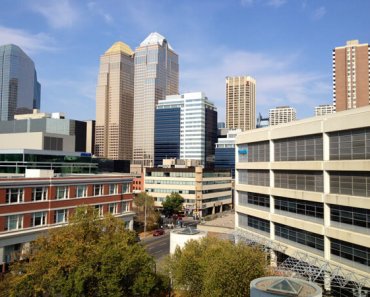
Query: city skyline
x,y
65,39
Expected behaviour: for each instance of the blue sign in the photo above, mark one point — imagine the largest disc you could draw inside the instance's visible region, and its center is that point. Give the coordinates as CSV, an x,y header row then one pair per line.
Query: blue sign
x,y
85,154
243,151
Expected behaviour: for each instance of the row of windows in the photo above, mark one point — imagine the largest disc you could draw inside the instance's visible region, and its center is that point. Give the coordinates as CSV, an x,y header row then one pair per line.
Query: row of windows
x,y
350,251
350,183
216,190
350,215
253,222
215,199
255,152
302,148
169,182
300,236
254,177
301,207
300,180
246,198
171,174
15,222
151,190
16,195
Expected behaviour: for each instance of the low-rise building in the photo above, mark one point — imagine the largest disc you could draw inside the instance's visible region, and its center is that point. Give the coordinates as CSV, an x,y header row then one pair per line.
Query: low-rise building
x,y
31,204
205,191
281,115
303,190
324,109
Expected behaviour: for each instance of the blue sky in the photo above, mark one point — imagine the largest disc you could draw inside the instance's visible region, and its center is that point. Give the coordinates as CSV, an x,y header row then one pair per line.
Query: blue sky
x,y
285,44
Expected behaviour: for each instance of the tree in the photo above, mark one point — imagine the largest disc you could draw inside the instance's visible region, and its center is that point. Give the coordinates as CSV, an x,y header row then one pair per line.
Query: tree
x,y
146,210
88,257
214,267
172,204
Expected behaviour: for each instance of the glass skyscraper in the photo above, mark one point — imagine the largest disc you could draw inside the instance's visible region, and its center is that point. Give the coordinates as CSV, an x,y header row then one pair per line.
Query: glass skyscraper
x,y
19,89
156,76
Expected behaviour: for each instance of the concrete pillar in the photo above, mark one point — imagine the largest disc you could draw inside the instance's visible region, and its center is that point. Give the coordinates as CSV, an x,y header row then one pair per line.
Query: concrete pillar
x,y
1,255
131,225
213,209
221,208
273,258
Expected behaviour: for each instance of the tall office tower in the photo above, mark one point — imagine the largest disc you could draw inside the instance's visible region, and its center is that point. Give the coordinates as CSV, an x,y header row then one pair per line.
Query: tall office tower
x,y
156,76
351,76
19,89
240,103
281,115
186,128
324,109
114,103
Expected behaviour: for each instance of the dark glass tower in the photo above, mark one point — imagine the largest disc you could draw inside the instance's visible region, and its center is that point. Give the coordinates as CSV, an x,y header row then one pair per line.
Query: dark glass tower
x,y
167,134
20,92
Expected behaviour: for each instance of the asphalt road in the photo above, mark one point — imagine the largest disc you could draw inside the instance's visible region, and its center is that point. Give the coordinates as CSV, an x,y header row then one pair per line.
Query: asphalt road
x,y
157,246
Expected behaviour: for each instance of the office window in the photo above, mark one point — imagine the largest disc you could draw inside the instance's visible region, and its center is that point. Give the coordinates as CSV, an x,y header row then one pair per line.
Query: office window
x,y
98,190
246,221
14,222
310,239
350,215
81,191
248,198
254,177
125,206
38,219
125,188
99,210
61,216
301,207
39,193
299,180
62,192
350,183
350,251
112,189
112,208
15,195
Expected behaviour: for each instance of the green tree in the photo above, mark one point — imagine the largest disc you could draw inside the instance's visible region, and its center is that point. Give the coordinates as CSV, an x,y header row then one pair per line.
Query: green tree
x,y
145,210
88,257
213,267
172,204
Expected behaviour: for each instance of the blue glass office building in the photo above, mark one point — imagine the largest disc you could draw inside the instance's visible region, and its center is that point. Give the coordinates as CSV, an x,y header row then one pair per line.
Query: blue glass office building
x,y
225,158
19,89
166,134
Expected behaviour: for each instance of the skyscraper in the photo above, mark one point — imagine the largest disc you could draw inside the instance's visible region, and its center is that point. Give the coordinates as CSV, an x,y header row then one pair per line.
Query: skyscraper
x,y
156,76
240,102
19,89
281,115
114,103
186,128
351,75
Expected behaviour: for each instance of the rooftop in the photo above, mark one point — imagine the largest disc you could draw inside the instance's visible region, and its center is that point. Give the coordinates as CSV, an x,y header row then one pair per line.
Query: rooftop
x,y
120,47
155,38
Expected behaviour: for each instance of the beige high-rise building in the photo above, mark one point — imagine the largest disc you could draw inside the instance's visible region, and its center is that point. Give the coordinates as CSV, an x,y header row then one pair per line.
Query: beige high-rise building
x,y
114,103
156,76
351,75
324,109
281,115
240,102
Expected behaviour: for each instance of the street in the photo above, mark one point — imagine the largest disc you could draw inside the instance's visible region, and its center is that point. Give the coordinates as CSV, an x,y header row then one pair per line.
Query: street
x,y
157,246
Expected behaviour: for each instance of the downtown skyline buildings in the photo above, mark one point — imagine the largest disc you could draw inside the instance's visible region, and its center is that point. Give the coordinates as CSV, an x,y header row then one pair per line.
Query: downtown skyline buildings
x,y
20,91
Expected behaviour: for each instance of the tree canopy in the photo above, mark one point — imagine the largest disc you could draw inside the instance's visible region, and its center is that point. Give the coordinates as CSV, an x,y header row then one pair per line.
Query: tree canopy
x,y
213,267
172,204
145,203
88,257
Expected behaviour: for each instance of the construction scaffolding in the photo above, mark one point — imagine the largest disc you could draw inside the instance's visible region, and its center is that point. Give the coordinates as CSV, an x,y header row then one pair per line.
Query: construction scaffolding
x,y
309,267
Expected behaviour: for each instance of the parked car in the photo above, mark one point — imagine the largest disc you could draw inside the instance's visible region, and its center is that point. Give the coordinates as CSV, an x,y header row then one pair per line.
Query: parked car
x,y
158,232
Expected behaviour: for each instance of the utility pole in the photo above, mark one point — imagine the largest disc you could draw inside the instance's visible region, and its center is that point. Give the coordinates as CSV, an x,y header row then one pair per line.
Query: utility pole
x,y
145,197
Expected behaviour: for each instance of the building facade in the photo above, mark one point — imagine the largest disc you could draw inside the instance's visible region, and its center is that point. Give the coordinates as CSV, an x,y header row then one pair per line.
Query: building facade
x,y
240,103
351,75
281,115
156,76
38,201
303,189
186,128
20,92
205,191
324,109
225,152
115,103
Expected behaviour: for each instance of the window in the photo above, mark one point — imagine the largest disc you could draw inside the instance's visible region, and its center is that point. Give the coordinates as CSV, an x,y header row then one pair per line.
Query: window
x,y
254,177
125,206
112,189
61,216
350,251
99,210
300,207
81,191
299,180
246,221
113,208
38,219
14,222
62,193
14,195
350,183
98,190
125,188
39,193
350,215
248,198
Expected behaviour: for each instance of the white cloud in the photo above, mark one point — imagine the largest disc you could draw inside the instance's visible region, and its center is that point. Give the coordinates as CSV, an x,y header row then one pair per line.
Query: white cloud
x,y
27,41
58,13
276,3
277,80
319,13
95,9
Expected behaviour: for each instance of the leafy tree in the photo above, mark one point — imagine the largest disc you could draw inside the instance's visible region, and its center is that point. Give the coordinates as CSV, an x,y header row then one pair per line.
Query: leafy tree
x,y
214,267
145,204
172,204
88,257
